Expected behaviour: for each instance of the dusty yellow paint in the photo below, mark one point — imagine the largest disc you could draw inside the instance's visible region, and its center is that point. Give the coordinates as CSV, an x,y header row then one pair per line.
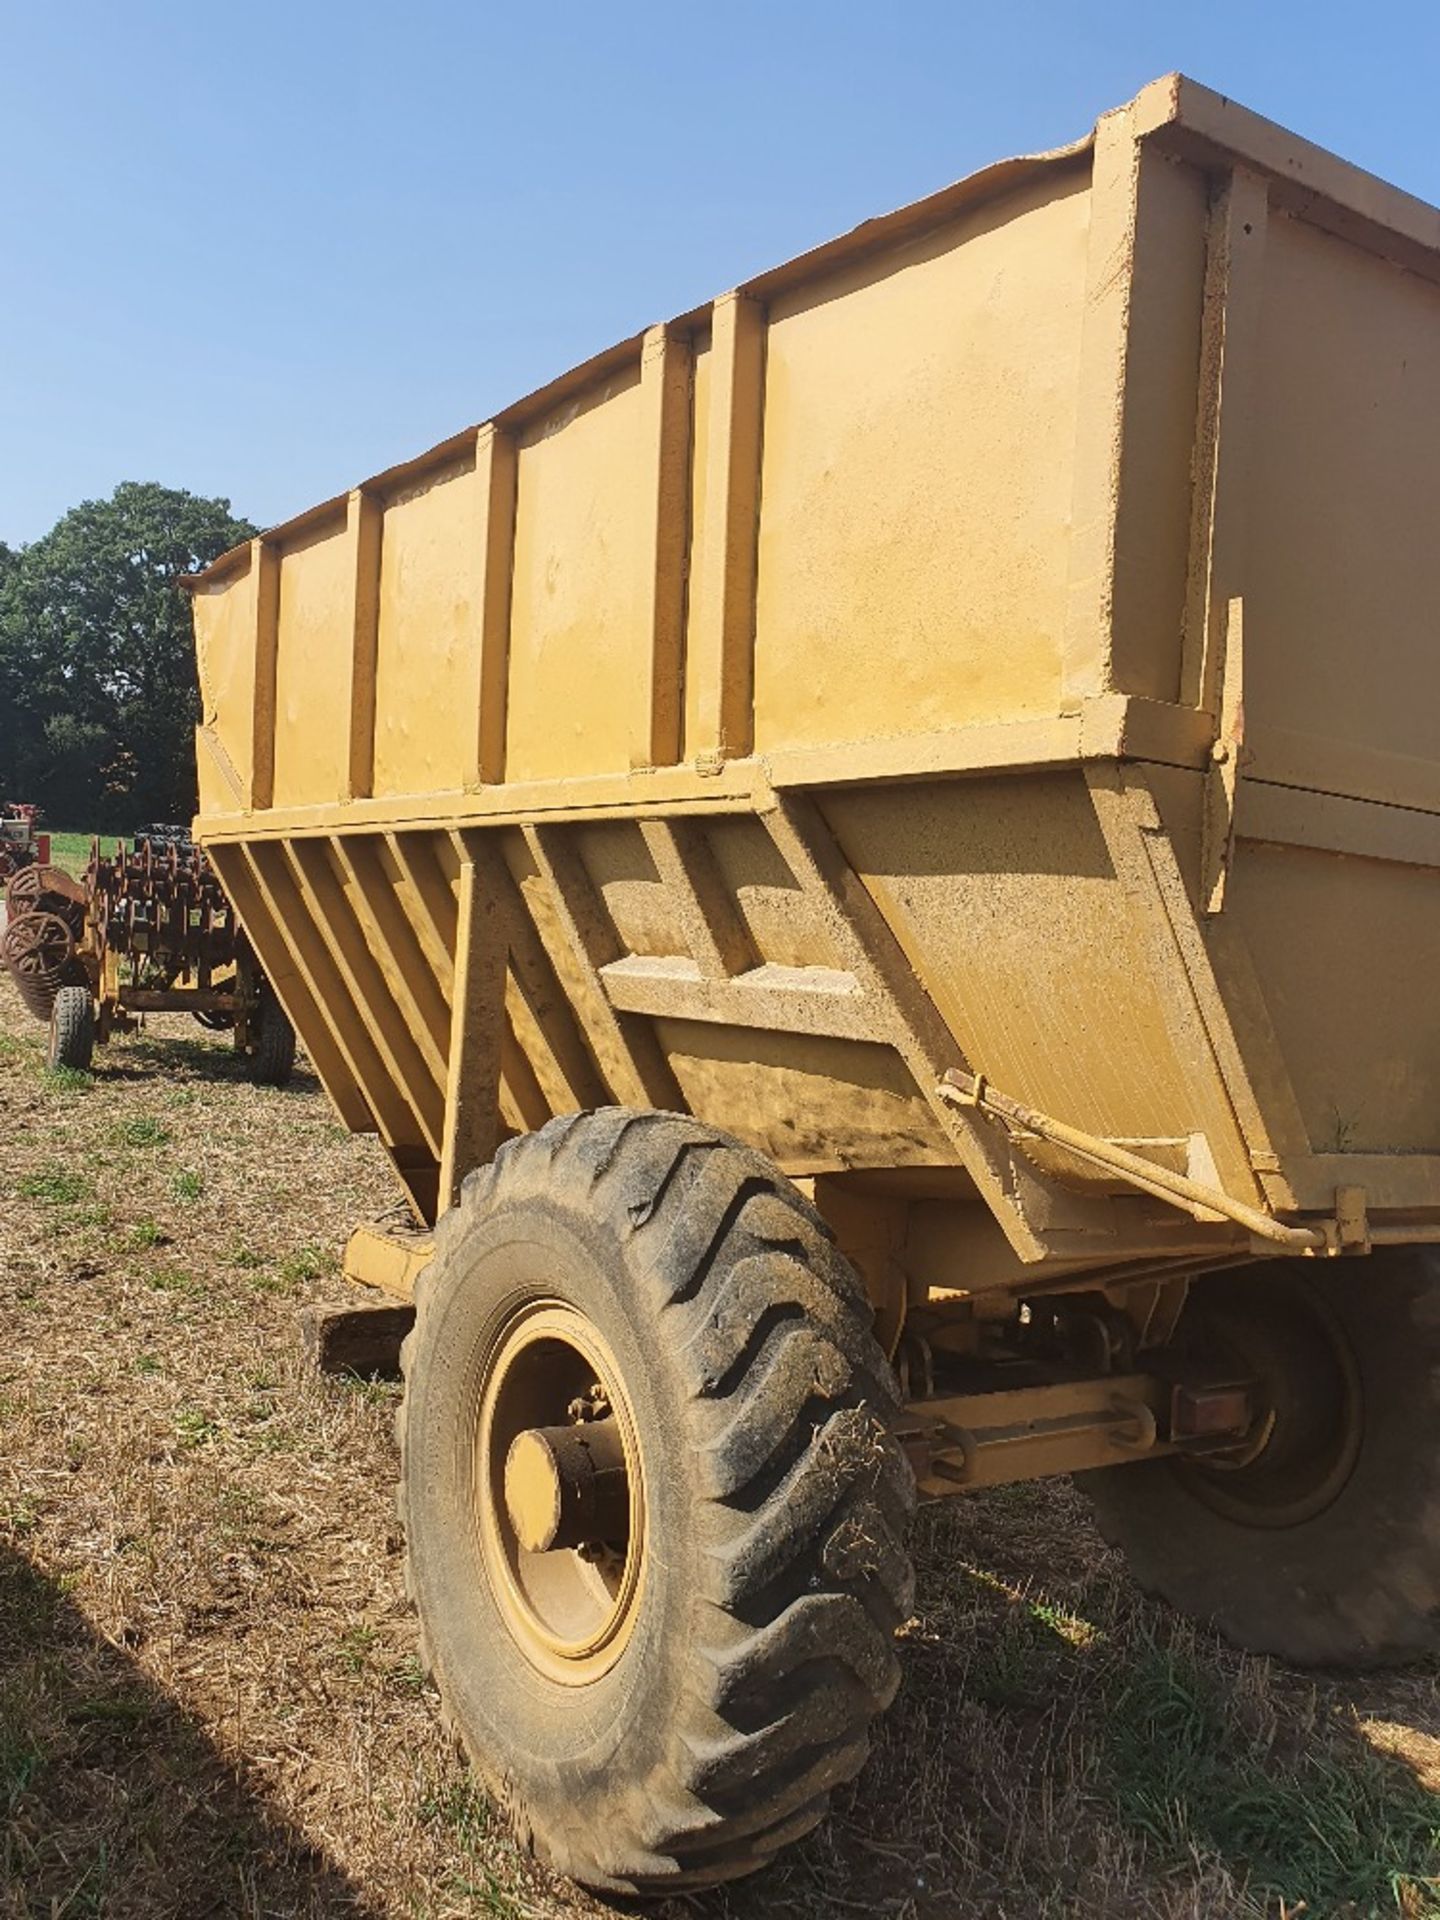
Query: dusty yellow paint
x,y
917,478
579,534
225,630
1000,641
427,675
312,670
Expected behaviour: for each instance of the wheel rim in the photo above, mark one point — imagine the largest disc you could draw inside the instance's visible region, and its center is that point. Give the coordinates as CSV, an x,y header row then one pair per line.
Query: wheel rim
x,y
1304,1444
571,1610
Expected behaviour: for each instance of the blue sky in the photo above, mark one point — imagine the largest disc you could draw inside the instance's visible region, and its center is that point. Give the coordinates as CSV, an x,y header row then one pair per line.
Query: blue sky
x,y
267,251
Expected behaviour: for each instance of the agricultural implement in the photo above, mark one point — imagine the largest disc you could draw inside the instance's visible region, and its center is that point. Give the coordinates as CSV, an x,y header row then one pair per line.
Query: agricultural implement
x,y
147,930
870,855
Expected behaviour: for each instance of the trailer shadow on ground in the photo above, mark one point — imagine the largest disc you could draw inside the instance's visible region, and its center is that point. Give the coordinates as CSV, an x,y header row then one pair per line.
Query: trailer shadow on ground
x,y
113,1800
1057,1732
117,1801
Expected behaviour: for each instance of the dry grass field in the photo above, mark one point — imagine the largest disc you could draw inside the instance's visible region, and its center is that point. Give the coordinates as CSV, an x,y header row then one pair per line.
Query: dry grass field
x,y
210,1702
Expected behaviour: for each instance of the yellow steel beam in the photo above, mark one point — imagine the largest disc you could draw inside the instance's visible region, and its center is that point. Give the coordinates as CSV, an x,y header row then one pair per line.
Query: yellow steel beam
x,y
472,1081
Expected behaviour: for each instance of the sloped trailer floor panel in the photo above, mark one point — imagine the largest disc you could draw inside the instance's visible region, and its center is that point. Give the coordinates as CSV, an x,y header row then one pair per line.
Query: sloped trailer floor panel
x,y
733,962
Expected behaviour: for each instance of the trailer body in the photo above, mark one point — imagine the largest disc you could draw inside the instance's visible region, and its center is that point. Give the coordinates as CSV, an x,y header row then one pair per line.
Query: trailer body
x,y
933,751
1001,639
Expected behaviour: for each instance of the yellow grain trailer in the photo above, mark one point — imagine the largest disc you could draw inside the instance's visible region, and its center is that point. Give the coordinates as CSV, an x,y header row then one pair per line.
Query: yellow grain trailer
x,y
870,854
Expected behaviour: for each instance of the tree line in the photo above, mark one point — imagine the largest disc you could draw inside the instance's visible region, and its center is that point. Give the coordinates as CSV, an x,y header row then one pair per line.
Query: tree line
x,y
98,692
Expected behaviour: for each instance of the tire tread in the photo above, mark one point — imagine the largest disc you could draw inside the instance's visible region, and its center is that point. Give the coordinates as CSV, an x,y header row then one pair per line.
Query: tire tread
x,y
804,1490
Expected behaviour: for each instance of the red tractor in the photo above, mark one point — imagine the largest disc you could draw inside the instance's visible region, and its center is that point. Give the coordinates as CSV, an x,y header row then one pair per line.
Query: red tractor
x,y
20,843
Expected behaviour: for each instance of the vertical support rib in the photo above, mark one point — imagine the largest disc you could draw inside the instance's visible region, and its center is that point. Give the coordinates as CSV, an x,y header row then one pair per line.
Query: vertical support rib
x,y
477,1024
1233,289
1100,405
722,614
1135,420
265,559
364,521
665,374
495,473
1212,676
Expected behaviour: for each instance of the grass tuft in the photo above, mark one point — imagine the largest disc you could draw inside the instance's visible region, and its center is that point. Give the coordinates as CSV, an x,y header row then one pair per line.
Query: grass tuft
x,y
306,1264
140,1130
195,1428
175,1280
56,1187
1334,1829
68,1080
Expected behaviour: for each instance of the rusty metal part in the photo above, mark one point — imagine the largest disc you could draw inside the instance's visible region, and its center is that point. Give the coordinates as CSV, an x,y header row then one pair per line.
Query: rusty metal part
x,y
212,1006
165,939
38,952
148,930
46,889
163,910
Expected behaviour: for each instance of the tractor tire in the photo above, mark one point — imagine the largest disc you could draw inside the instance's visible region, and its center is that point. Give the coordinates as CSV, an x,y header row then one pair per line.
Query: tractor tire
x,y
273,1060
72,1030
672,1700
1323,1548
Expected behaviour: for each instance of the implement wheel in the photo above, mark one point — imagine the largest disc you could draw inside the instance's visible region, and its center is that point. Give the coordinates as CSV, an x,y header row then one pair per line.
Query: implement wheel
x,y
654,1510
273,1060
1319,1540
72,1030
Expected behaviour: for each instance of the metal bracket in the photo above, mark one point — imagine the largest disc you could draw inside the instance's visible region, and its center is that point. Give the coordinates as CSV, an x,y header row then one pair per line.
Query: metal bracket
x,y
1352,1220
973,1090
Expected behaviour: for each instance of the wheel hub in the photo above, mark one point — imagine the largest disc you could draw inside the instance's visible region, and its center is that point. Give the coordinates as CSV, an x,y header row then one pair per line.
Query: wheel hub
x,y
561,1492
567,1487
1305,1441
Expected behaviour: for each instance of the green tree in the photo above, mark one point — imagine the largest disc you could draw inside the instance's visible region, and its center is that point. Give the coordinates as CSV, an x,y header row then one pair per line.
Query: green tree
x,y
98,696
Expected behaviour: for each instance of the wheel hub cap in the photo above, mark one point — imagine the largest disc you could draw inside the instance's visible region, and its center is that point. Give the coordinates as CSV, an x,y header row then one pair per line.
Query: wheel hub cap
x,y
561,1492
